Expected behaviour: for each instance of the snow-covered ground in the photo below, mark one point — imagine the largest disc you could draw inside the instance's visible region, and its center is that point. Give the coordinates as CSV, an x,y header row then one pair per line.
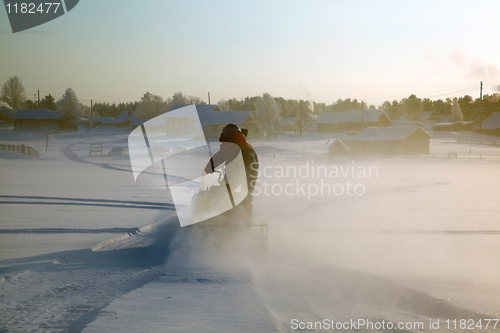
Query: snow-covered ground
x,y
84,247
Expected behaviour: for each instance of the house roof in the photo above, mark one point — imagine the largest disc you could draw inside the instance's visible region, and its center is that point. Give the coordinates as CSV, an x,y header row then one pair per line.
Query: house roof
x,y
110,120
492,122
427,114
137,122
199,107
224,117
351,116
399,123
445,119
385,133
37,114
290,120
309,115
209,117
338,142
7,112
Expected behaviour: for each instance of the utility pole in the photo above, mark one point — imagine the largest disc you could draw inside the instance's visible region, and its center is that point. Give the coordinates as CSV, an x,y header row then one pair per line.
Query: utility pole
x,y
481,107
300,119
208,98
38,98
90,117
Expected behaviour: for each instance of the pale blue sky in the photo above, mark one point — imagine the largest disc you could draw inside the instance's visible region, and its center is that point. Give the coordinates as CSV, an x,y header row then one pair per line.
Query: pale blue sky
x,y
116,50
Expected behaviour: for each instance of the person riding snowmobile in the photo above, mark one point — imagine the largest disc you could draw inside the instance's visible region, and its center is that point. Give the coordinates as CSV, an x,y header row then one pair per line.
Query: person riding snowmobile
x,y
231,134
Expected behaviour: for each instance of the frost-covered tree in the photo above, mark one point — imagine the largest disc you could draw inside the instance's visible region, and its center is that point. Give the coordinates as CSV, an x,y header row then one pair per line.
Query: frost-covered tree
x,y
224,105
456,111
69,103
13,92
150,106
267,115
70,108
180,98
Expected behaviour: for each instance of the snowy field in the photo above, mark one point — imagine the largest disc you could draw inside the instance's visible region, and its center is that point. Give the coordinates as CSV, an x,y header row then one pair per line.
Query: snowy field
x,y
396,239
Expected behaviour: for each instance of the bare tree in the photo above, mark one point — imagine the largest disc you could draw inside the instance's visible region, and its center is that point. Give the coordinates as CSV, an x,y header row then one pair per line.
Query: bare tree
x,y
150,106
13,92
267,115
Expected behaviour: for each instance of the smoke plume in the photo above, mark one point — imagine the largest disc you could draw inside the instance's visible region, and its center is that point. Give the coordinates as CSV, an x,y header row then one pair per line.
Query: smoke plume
x,y
476,70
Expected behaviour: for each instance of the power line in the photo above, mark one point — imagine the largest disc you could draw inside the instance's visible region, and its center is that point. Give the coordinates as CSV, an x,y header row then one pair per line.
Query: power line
x,y
459,92
451,91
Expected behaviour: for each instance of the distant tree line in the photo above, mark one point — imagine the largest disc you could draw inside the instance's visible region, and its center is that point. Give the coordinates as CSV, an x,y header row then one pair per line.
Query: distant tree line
x,y
462,108
113,110
150,105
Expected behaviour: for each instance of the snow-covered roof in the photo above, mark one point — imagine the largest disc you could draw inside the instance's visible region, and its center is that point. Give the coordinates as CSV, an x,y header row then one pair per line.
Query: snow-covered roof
x,y
423,116
385,133
199,107
291,120
7,112
399,123
350,116
337,141
224,117
427,114
137,122
492,122
37,114
5,105
208,117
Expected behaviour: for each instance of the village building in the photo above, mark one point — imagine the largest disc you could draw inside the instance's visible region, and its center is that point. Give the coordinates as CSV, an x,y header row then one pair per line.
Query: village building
x,y
399,123
352,120
110,121
389,141
37,119
454,126
212,120
338,147
308,122
211,117
492,124
124,119
424,116
290,124
426,120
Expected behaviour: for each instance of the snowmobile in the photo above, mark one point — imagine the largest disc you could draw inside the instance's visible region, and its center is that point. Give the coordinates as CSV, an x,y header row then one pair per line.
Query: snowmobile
x,y
215,195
